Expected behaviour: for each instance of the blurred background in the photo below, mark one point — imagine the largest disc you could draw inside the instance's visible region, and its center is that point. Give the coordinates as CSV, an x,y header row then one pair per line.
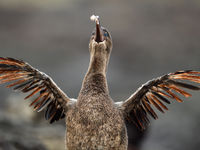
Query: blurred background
x,y
151,38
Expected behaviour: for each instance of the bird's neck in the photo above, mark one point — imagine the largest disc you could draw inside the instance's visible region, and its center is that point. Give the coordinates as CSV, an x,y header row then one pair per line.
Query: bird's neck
x,y
95,78
98,63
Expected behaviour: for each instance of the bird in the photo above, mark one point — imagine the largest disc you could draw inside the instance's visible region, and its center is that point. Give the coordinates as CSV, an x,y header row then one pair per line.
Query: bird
x,y
94,121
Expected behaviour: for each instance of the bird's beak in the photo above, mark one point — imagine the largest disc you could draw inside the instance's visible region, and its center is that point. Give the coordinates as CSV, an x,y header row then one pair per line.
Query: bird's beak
x,y
98,36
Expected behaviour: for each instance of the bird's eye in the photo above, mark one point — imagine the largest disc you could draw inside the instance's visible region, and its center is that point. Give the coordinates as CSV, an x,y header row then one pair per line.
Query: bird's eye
x,y
106,34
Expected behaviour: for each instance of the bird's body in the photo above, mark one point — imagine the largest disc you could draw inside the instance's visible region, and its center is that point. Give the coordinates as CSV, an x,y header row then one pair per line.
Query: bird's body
x,y
93,120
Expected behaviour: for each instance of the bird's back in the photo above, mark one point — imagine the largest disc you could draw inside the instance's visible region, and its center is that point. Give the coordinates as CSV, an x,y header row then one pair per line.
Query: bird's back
x,y
94,122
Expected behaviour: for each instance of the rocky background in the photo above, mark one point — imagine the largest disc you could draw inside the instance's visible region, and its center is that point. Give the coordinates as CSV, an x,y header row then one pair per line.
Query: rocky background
x,y
151,38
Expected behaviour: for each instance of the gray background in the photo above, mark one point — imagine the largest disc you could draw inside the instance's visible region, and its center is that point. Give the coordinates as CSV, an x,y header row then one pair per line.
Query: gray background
x,y
151,38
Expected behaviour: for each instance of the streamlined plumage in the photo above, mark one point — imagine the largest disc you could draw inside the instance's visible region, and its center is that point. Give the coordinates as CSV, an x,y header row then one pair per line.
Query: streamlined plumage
x,y
93,120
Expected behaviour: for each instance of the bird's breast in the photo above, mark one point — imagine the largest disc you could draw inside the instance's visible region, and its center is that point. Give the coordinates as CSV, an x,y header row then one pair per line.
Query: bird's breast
x,y
95,124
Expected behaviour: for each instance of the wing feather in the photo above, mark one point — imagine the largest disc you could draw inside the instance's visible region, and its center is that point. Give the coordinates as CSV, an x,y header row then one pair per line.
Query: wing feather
x,y
22,76
139,105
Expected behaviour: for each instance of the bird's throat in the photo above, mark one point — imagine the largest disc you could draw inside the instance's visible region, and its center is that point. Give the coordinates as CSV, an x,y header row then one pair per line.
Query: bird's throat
x,y
98,64
95,78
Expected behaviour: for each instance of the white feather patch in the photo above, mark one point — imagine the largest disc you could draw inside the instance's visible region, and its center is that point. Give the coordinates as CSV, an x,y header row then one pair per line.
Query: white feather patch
x,y
95,18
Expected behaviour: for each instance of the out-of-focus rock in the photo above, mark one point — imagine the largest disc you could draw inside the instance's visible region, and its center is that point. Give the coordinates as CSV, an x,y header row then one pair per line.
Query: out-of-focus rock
x,y
16,135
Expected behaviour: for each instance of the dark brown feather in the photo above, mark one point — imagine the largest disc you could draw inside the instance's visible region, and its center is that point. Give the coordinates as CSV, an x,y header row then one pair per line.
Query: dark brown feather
x,y
160,95
173,95
158,102
186,78
155,91
17,82
24,84
12,79
37,89
184,85
28,79
180,91
154,103
43,104
168,90
38,98
40,104
31,86
149,110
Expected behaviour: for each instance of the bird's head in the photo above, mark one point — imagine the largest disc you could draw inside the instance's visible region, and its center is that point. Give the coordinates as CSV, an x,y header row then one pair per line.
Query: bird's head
x,y
100,41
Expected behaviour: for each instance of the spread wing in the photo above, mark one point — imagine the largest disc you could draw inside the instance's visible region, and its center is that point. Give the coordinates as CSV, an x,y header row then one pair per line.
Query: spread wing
x,y
157,93
21,76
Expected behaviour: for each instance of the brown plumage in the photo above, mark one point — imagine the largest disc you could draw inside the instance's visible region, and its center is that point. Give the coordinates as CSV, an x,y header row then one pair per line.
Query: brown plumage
x,y
94,121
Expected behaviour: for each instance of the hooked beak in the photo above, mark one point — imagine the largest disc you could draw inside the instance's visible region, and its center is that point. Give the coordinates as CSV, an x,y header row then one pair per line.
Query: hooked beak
x,y
98,36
